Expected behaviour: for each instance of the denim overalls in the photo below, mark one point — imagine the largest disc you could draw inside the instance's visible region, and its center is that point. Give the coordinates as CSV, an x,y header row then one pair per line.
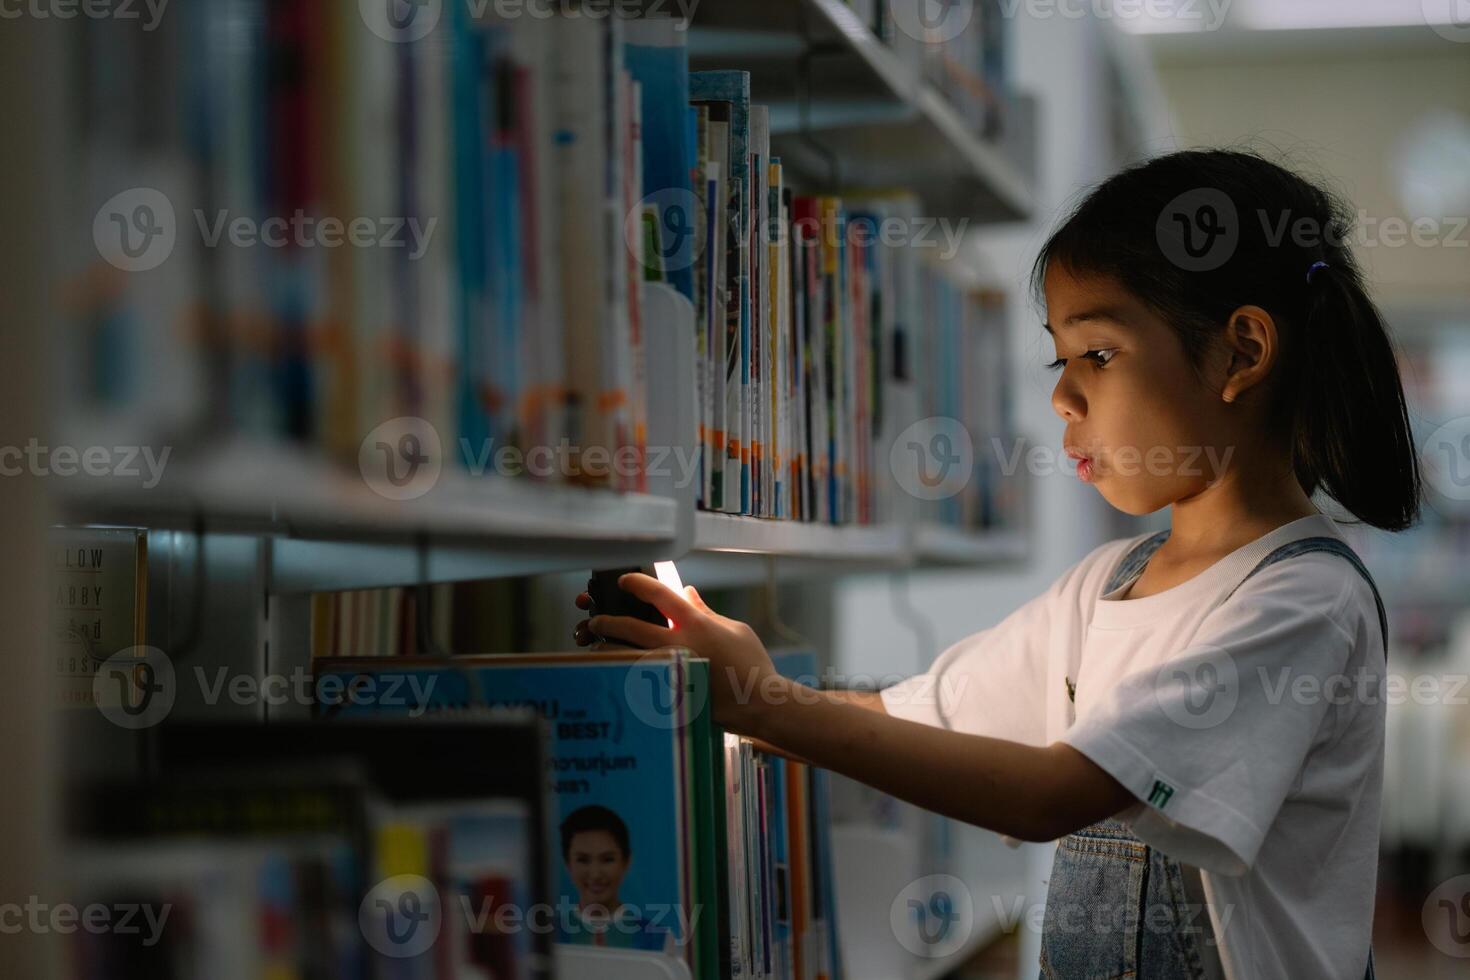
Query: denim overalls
x,y
1116,907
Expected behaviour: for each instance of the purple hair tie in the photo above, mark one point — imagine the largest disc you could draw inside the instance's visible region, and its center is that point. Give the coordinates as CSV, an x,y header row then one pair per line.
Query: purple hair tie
x,y
1313,270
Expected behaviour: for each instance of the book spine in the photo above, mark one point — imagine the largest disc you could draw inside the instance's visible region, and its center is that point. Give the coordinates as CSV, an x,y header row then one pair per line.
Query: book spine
x,y
638,373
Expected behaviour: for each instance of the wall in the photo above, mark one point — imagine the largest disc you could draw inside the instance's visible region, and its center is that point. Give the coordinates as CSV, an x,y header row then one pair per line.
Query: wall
x,y
1346,111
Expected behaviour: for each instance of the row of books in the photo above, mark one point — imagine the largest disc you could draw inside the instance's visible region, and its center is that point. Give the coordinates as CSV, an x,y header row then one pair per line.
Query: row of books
x,y
502,615
304,229
811,313
687,844
462,228
296,853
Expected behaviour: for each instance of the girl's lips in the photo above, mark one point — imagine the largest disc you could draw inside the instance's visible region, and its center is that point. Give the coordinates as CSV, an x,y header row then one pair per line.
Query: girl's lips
x,y
1084,465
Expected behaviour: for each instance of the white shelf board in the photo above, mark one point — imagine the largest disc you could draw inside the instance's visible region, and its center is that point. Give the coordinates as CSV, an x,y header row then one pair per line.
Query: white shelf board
x,y
333,531
731,570
941,545
729,533
297,491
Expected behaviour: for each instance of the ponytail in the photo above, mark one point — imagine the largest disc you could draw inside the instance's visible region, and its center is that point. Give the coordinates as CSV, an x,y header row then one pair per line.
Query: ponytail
x,y
1339,389
1352,432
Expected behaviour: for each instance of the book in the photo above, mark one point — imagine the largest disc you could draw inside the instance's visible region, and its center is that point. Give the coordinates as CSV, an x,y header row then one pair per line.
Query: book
x,y
656,52
632,785
99,590
729,93
754,376
718,335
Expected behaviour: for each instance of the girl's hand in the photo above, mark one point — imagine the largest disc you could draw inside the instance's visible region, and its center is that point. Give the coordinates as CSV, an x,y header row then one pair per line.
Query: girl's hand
x,y
740,667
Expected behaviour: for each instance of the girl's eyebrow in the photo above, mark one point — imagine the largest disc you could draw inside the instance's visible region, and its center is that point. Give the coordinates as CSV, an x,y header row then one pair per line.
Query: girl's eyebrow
x,y
1102,315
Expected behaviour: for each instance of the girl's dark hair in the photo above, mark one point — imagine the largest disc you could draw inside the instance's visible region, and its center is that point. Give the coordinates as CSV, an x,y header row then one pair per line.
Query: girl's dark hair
x,y
1200,233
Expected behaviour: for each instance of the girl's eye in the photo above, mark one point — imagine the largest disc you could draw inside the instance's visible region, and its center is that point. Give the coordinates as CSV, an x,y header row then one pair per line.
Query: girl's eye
x,y
1095,355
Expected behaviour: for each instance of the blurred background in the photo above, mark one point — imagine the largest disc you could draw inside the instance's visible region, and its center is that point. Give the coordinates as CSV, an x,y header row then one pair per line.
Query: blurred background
x,y
1372,95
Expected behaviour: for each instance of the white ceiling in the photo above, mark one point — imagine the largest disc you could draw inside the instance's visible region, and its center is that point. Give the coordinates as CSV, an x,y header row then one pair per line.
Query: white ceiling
x,y
1197,16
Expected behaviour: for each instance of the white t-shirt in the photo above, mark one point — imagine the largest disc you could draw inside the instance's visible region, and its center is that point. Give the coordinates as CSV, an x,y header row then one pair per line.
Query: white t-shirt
x,y
1250,730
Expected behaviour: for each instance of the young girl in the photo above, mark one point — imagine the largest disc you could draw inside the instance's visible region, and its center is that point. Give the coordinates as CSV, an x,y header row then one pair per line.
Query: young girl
x,y
1197,715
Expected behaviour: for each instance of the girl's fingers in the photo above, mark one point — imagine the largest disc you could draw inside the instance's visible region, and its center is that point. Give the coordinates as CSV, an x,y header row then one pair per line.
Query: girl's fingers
x,y
584,601
631,630
673,605
694,597
582,634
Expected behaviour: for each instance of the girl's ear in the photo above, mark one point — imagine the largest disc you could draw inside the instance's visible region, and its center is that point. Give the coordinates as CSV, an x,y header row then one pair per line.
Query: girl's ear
x,y
1251,347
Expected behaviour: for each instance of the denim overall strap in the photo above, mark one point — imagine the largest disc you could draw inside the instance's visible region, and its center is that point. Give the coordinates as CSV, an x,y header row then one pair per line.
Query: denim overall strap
x,y
1136,558
1116,907
1337,546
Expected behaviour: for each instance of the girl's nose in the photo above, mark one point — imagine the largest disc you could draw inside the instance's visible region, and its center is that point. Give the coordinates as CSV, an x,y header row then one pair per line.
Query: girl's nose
x,y
1067,401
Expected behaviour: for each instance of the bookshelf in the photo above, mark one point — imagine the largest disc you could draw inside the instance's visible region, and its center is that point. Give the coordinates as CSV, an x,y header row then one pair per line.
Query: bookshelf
x,y
278,521
868,113
330,532
837,92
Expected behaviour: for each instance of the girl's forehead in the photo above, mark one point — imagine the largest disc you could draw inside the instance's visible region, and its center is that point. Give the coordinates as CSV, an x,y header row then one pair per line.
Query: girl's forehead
x,y
1073,301
1066,284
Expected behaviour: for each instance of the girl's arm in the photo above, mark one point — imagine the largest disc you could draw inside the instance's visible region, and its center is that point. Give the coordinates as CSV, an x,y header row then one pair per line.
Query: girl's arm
x,y
871,700
1031,793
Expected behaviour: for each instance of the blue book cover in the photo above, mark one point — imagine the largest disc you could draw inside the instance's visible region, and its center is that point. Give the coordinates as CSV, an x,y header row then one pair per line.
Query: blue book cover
x,y
505,278
617,780
656,54
617,794
471,93
780,869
